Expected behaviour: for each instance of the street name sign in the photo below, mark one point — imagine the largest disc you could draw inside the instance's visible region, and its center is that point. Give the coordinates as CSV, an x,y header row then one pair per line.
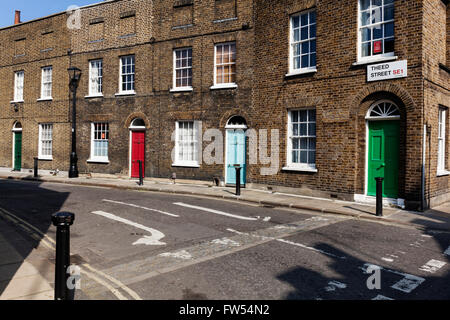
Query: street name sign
x,y
387,70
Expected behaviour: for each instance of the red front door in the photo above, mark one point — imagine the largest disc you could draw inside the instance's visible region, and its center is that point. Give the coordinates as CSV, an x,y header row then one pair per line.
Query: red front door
x,y
137,152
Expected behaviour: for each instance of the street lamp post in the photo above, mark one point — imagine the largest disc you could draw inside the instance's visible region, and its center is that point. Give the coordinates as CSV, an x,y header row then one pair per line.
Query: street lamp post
x,y
74,74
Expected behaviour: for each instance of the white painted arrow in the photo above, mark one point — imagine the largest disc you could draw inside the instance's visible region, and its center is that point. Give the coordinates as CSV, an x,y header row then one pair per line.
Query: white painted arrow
x,y
152,240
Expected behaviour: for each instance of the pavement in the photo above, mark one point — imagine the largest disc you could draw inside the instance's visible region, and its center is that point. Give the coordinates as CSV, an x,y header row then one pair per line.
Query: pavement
x,y
24,277
23,274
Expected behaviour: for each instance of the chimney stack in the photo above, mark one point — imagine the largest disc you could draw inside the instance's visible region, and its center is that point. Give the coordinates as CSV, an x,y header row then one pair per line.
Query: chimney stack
x,y
17,17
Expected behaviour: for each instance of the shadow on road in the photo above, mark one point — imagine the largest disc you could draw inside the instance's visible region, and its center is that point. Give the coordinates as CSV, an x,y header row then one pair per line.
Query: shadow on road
x,y
350,279
35,205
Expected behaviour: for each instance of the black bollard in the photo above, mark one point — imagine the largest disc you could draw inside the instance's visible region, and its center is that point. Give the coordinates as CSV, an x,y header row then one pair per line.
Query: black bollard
x,y
238,180
36,167
379,187
141,175
62,221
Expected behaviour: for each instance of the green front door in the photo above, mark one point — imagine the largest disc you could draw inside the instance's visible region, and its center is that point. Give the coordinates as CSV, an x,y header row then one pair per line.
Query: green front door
x,y
383,157
17,151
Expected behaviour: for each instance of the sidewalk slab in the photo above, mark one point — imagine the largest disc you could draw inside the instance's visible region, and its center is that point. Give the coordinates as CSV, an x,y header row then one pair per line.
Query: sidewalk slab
x,y
19,279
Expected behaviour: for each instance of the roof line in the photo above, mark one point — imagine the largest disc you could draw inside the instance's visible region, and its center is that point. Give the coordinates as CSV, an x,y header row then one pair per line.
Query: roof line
x,y
58,13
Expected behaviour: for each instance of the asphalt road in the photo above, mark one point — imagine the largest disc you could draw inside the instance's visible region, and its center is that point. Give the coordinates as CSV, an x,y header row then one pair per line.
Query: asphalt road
x,y
142,245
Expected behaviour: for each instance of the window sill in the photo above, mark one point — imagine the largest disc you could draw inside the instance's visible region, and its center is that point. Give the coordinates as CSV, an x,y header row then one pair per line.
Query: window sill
x,y
130,93
224,86
45,158
45,99
443,173
94,96
186,165
299,169
299,72
185,89
97,161
18,101
362,62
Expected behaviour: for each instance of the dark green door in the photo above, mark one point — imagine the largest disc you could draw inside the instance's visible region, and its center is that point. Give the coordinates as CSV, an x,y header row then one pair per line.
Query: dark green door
x,y
17,151
383,157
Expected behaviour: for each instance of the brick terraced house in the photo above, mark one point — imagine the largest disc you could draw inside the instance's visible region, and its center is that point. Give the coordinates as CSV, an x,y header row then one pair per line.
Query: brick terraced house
x,y
346,91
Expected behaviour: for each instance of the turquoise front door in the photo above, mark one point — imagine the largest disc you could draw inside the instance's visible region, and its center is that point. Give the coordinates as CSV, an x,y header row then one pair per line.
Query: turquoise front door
x,y
235,155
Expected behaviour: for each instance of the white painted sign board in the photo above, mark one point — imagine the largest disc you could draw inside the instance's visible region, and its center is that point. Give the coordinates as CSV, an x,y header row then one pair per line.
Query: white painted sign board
x,y
387,70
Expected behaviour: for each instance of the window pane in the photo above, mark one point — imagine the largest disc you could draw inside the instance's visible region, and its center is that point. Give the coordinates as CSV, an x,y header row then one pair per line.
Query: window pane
x,y
294,116
297,35
388,13
365,4
312,17
303,157
304,143
303,115
366,48
303,129
377,32
312,31
365,18
389,30
312,60
366,34
312,44
376,15
304,19
304,33
305,61
305,47
376,3
389,45
296,22
295,156
312,157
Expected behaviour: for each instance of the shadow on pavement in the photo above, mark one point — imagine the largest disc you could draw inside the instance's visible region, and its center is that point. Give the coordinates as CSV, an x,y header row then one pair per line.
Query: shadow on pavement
x,y
35,205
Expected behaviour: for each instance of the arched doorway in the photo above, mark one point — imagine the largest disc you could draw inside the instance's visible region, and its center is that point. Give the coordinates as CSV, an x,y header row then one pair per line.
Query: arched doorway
x,y
137,147
382,147
17,146
235,149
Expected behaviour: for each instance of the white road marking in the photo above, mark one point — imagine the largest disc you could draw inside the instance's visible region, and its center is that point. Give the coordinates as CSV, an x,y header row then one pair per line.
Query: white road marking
x,y
333,285
289,242
426,236
447,252
432,266
226,242
407,284
387,259
183,254
153,240
215,211
141,207
381,297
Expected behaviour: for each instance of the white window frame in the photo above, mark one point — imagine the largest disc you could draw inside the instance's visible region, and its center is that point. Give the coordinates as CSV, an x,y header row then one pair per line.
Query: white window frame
x,y
127,92
195,162
96,80
93,157
378,57
290,165
175,69
44,82
292,70
442,119
18,86
227,84
47,126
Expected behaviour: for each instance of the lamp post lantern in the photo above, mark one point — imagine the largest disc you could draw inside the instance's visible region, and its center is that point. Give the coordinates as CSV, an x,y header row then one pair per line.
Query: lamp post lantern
x,y
74,74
